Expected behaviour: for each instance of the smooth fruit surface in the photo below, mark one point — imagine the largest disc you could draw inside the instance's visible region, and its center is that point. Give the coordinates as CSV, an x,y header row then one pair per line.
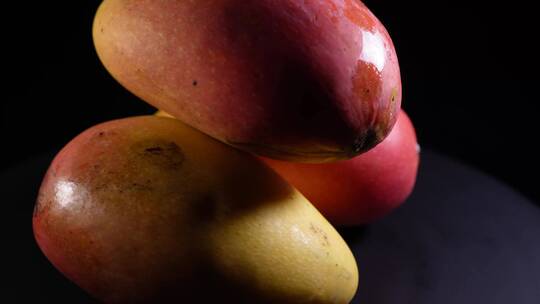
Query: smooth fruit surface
x,y
362,189
310,81
148,210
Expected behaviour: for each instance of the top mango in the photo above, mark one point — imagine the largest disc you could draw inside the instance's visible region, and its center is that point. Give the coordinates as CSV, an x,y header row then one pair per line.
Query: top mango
x,y
310,81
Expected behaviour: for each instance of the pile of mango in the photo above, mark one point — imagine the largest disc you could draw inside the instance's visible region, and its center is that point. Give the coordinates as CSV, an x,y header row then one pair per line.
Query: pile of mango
x,y
279,119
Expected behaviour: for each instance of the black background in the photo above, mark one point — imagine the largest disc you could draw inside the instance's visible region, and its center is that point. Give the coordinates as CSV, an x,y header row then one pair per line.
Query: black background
x,y
469,77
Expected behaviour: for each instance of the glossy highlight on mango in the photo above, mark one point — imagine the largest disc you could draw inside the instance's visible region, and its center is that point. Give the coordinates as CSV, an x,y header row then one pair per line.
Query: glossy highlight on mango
x,y
309,81
149,210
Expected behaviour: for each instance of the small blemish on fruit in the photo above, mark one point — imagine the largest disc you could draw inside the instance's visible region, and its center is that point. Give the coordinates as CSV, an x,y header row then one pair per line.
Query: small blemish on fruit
x,y
140,187
365,141
394,95
102,134
165,154
195,83
318,231
154,150
358,144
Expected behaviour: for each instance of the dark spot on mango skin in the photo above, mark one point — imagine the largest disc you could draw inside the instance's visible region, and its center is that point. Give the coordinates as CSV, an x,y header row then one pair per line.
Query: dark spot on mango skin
x,y
103,135
154,150
164,154
319,232
365,141
139,187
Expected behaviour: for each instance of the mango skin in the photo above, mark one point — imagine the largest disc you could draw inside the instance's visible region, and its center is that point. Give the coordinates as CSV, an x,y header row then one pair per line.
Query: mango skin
x,y
363,189
148,210
310,81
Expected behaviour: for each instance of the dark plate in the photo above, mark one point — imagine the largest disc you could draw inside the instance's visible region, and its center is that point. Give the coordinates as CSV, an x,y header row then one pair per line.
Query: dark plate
x,y
462,237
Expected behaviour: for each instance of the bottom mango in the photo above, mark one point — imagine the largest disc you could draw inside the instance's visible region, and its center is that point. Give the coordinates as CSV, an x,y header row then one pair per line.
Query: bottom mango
x,y
146,209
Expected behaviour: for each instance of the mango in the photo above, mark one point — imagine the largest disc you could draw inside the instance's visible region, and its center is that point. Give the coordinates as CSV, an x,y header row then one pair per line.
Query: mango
x,y
310,81
149,210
